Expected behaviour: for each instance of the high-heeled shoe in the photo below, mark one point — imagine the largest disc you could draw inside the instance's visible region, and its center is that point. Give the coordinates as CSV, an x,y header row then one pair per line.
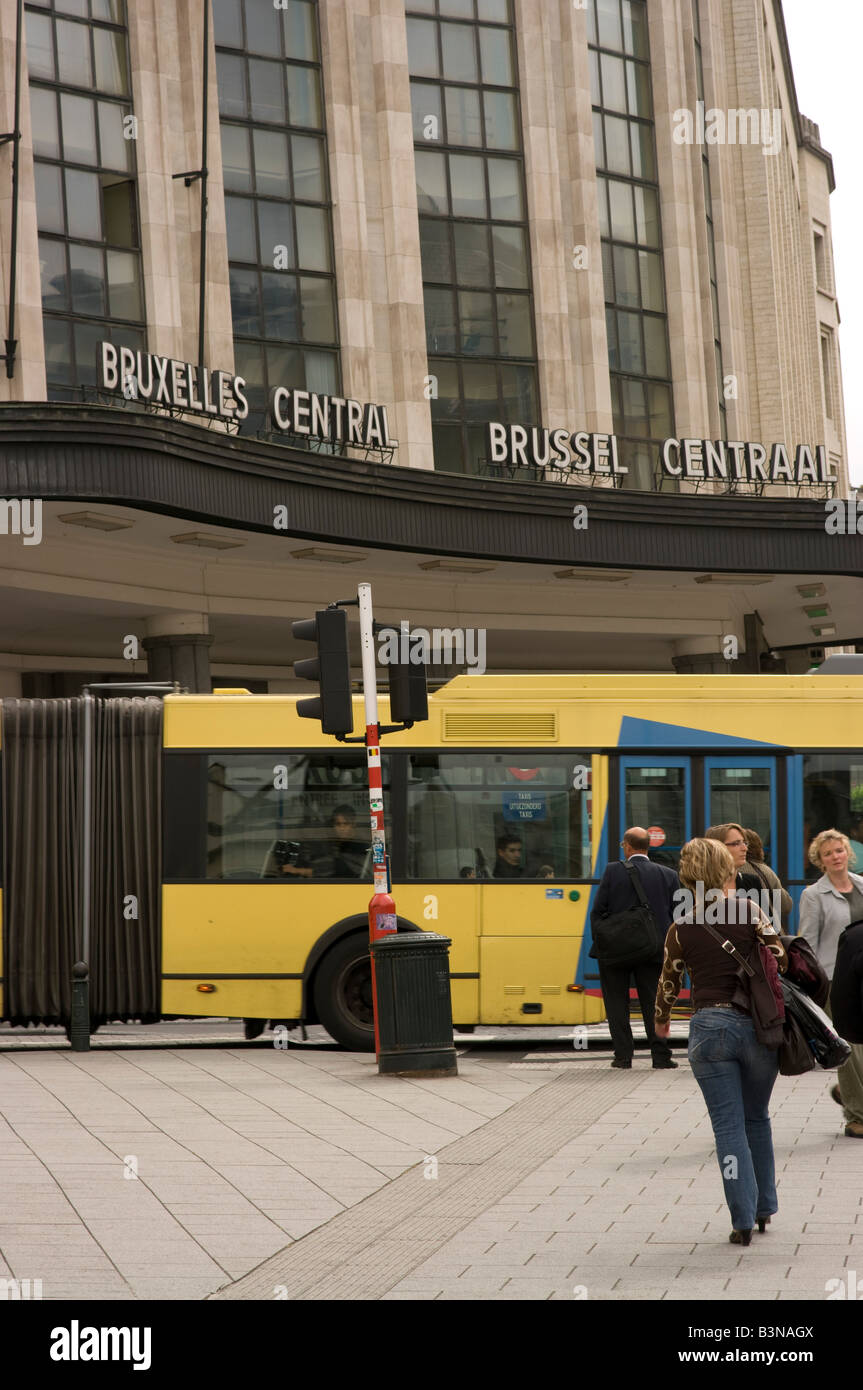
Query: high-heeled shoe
x,y
762,1222
741,1237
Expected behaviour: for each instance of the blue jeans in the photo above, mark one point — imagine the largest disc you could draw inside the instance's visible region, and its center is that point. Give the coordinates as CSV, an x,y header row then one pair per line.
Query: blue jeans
x,y
736,1075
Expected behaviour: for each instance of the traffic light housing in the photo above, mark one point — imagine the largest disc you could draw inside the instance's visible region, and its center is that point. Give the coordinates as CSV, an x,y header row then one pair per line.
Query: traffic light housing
x,y
408,692
331,668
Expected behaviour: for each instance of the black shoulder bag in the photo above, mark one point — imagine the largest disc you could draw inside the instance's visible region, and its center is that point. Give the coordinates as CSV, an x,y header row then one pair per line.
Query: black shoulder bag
x,y
795,1056
624,940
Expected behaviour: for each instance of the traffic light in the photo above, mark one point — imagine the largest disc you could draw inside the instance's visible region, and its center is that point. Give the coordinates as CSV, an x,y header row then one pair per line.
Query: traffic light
x,y
331,668
408,694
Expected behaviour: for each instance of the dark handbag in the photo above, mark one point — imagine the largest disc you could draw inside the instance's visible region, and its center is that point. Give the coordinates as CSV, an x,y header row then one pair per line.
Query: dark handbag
x,y
764,1004
795,1054
627,939
805,969
825,1044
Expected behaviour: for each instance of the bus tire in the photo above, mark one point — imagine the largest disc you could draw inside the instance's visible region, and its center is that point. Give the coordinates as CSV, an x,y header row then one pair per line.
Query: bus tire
x,y
343,993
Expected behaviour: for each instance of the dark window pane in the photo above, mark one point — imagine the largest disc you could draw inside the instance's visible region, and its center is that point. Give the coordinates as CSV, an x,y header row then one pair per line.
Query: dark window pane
x,y
118,202
43,118
280,306
468,185
608,23
598,141
241,229
285,367
49,198
78,128
643,157
622,223
453,9
244,301
304,96
111,61
501,121
638,89
611,334
426,110
40,46
73,54
480,391
422,48
236,161
472,258
124,285
514,325
267,90
77,7
249,364
510,257
646,215
263,22
435,249
227,22
463,124
626,285
652,296
308,158
58,351
440,321
447,403
616,144
276,235
635,28
431,182
87,280
613,83
655,347
447,448
83,205
504,183
319,321
608,270
322,372
313,238
629,340
602,205
271,163
233,87
495,48
423,6
52,271
518,388
115,149
595,86
495,11
476,315
301,30
458,44
634,408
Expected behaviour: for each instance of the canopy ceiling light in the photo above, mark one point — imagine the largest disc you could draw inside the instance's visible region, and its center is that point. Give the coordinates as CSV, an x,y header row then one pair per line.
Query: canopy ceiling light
x,y
97,521
811,590
734,579
595,576
200,538
329,557
457,566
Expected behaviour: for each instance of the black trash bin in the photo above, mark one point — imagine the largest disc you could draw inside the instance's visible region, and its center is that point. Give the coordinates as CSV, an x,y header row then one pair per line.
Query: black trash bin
x,y
414,1005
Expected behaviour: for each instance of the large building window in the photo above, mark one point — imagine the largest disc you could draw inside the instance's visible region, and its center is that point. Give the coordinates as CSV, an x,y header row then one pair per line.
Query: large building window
x,y
277,199
86,196
711,230
473,223
628,193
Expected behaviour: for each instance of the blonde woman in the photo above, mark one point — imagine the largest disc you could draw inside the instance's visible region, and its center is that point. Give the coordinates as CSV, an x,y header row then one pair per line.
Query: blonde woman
x,y
735,1071
827,907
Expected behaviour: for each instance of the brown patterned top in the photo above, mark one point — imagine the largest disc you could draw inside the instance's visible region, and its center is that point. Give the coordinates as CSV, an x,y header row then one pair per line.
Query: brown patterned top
x,y
713,977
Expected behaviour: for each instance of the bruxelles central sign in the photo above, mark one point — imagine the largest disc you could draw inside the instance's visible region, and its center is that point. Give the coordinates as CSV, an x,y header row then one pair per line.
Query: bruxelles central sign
x,y
558,451
181,386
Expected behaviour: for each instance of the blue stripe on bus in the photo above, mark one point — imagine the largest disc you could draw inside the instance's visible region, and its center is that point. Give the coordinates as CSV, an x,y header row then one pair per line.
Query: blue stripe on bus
x,y
647,733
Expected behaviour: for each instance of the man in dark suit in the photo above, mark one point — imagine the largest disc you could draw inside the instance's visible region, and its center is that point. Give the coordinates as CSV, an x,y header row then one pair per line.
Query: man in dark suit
x,y
617,894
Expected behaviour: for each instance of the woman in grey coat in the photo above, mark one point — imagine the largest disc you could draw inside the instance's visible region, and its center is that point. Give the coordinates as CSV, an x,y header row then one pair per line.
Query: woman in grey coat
x,y
827,907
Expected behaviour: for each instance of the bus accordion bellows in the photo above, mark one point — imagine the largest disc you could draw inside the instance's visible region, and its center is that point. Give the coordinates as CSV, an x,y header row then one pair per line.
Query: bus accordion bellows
x,y
231,862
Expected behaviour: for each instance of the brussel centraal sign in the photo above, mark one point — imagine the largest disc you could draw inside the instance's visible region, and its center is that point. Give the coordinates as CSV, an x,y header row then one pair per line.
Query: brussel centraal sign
x,y
193,390
558,451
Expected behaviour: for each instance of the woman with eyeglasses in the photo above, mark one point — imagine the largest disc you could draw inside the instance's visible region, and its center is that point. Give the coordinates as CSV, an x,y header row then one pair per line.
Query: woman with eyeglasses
x,y
733,837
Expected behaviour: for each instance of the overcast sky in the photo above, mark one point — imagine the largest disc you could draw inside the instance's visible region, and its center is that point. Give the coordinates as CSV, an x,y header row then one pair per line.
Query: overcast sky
x,y
826,40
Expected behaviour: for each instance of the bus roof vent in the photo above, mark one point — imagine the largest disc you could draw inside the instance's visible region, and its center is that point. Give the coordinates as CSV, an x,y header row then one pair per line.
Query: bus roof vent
x,y
518,729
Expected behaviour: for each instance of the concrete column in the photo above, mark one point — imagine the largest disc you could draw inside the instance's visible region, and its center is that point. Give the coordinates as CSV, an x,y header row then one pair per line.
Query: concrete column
x,y
177,649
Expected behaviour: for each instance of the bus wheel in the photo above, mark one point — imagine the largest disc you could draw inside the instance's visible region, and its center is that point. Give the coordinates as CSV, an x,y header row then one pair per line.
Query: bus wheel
x,y
343,994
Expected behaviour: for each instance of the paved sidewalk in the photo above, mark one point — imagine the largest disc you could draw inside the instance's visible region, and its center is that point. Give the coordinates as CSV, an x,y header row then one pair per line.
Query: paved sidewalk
x,y
260,1174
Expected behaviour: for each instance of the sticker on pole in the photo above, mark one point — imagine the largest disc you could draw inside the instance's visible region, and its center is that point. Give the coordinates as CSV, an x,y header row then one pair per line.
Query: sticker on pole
x,y
374,755
657,836
377,804
386,923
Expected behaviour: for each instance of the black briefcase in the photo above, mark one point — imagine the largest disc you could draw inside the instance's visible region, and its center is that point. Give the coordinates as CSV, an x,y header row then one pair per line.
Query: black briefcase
x,y
630,938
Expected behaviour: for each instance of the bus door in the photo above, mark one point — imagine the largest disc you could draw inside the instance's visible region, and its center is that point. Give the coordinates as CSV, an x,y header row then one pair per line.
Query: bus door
x,y
656,793
742,789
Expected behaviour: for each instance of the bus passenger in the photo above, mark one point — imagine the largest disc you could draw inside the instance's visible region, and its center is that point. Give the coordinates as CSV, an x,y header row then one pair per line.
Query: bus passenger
x,y
827,908
509,863
346,853
734,1033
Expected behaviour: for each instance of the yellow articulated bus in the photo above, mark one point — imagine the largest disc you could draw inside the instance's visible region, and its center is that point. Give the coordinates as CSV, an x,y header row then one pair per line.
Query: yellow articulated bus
x,y
232,868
